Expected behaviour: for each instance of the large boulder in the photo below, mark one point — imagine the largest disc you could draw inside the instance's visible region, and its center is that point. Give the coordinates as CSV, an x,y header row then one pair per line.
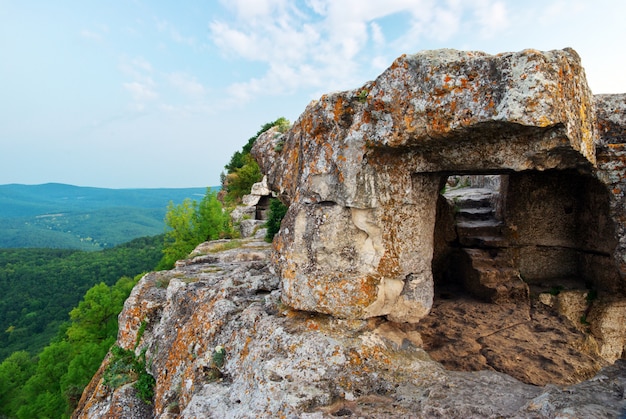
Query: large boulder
x,y
361,170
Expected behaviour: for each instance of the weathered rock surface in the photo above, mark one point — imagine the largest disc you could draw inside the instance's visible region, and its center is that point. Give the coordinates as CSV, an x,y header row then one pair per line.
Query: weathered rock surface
x,y
611,152
285,363
362,169
336,324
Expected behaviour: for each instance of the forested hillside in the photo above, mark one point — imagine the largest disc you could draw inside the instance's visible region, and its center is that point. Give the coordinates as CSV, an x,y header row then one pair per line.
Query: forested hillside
x,y
30,200
72,217
51,341
41,286
50,384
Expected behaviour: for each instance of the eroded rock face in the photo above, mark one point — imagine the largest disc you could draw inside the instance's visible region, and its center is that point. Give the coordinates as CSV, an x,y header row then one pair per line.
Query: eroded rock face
x,y
285,363
361,170
611,151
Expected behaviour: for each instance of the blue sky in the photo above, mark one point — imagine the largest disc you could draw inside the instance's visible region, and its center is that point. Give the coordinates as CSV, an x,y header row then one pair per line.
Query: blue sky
x,y
140,93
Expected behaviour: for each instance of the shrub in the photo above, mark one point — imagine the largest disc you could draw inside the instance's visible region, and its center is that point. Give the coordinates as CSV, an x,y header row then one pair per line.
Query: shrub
x,y
192,223
242,171
125,367
276,214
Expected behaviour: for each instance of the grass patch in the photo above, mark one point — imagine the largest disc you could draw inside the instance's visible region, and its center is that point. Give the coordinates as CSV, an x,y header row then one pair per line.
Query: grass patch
x,y
231,244
125,367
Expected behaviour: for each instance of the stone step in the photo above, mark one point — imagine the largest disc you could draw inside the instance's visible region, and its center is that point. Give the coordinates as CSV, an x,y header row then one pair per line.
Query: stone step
x,y
492,276
471,197
480,213
483,242
479,228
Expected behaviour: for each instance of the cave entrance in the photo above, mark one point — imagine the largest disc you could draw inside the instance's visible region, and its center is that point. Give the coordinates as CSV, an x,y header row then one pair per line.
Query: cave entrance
x,y
517,258
262,208
469,223
496,234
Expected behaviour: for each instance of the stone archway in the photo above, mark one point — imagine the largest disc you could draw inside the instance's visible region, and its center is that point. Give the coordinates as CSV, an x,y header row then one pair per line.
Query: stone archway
x,y
361,169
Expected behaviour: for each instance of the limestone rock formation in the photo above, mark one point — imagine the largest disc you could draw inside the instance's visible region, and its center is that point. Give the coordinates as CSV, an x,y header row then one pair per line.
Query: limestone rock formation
x,y
326,322
362,170
281,362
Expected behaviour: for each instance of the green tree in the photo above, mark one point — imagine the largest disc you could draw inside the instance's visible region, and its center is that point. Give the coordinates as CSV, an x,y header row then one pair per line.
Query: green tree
x,y
52,387
211,222
180,238
43,285
239,182
81,368
237,160
95,317
41,395
191,223
14,372
242,170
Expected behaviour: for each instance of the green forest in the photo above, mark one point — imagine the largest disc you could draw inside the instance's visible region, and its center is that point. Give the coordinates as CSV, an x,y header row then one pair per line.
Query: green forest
x,y
41,286
72,217
60,306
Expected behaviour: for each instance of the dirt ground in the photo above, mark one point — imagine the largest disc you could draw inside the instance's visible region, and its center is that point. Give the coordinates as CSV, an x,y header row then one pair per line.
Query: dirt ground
x,y
532,344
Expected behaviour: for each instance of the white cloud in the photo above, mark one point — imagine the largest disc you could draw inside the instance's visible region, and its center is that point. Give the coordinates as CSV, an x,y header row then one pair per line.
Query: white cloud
x,y
166,27
380,63
141,92
331,45
319,7
97,34
247,10
377,34
492,18
137,68
445,23
235,42
187,84
142,86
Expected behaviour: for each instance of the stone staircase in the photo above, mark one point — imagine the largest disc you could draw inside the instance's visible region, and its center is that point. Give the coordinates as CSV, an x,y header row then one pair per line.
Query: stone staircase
x,y
485,260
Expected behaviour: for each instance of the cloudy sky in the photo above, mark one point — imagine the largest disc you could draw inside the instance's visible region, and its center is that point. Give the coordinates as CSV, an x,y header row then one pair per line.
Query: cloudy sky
x,y
155,93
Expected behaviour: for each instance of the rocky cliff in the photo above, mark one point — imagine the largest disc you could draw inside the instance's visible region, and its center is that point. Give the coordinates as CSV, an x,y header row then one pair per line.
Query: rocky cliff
x,y
374,266
281,362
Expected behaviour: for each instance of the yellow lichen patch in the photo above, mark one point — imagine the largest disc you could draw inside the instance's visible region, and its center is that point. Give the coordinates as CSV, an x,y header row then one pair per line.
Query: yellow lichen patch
x,y
438,121
338,111
368,288
245,351
408,123
452,106
617,146
366,118
397,62
312,325
376,354
544,121
354,358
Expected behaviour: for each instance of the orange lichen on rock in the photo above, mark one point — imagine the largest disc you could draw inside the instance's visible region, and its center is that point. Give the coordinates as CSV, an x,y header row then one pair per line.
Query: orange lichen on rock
x,y
433,112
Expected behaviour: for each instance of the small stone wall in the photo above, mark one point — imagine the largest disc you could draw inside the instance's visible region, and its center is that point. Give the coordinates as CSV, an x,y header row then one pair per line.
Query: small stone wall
x,y
559,224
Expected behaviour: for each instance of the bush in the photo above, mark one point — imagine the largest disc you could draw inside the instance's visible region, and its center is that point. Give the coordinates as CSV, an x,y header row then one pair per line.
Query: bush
x,y
192,223
275,216
125,367
240,181
242,171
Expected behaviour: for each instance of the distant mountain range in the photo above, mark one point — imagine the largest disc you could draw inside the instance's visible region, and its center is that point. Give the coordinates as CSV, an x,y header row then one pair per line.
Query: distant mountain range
x,y
57,215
